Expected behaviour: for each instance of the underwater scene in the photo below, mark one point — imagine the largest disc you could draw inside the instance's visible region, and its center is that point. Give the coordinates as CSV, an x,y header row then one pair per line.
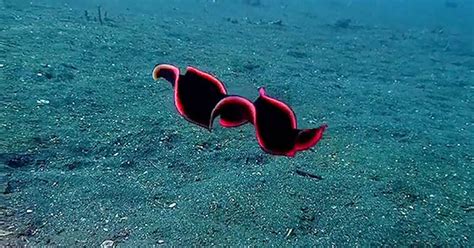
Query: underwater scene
x,y
236,123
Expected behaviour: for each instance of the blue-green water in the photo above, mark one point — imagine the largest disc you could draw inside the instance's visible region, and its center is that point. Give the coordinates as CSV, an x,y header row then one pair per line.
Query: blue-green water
x,y
93,152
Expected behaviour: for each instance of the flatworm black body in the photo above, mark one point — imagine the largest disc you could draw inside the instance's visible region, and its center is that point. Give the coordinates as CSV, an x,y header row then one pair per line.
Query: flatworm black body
x,y
200,98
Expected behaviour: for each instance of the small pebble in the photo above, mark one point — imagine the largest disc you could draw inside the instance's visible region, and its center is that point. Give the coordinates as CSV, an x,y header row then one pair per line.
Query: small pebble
x,y
107,244
42,102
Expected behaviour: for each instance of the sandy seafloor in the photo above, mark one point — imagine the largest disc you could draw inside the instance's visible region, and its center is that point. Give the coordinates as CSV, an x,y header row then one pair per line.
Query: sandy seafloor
x,y
92,148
